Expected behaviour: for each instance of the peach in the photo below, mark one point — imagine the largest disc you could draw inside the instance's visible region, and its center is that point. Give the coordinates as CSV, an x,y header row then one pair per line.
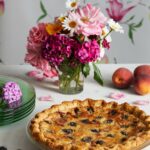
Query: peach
x,y
122,78
142,70
142,84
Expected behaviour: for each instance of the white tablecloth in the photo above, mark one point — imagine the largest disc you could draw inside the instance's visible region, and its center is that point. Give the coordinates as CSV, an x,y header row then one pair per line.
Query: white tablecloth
x,y
14,136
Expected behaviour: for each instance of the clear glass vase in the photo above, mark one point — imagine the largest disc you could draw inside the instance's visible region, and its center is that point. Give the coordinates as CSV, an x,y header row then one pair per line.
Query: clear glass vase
x,y
71,80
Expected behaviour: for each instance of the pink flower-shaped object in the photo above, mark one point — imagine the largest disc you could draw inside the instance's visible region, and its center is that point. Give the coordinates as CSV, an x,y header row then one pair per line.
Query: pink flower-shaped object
x,y
38,35
2,6
116,95
141,102
46,98
36,39
88,52
91,20
116,10
12,94
39,75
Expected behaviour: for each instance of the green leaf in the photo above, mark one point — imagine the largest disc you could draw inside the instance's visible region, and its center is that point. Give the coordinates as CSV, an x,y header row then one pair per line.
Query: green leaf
x,y
97,75
131,18
130,33
43,11
139,24
86,70
43,8
41,17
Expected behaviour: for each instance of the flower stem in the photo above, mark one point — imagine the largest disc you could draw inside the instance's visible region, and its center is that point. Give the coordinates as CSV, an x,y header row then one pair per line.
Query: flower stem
x,y
70,82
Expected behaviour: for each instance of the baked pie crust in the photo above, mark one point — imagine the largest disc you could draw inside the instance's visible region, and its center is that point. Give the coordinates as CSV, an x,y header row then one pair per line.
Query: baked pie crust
x,y
91,125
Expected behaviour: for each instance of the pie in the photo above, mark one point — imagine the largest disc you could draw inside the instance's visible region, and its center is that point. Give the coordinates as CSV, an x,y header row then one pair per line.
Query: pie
x,y
91,125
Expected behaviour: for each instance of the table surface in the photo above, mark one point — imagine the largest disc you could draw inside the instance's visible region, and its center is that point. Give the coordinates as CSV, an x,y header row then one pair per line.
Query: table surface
x,y
14,136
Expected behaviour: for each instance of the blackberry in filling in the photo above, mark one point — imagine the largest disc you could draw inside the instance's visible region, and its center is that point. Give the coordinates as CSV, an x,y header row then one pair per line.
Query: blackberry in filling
x,y
109,121
73,124
124,133
86,121
87,139
95,130
112,112
100,142
90,110
67,131
110,135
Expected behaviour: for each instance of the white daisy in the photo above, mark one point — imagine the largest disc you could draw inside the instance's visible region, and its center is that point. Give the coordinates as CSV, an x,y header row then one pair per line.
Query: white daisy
x,y
70,23
115,26
105,31
72,4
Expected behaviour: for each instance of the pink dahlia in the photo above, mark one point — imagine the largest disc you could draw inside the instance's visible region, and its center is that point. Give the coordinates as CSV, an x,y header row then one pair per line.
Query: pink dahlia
x,y
91,20
88,52
36,39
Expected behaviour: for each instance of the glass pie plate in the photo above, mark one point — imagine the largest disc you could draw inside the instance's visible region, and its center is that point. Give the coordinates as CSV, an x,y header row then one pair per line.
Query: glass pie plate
x,y
37,145
10,115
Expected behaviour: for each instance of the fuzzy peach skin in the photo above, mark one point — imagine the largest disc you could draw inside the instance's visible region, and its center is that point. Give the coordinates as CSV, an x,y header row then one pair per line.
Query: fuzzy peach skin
x,y
122,78
142,69
142,84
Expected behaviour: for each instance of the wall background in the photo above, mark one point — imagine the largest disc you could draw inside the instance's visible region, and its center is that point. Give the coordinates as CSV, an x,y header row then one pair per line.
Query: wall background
x,y
21,15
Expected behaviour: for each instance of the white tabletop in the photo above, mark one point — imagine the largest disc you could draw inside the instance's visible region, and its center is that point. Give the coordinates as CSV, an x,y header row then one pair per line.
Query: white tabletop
x,y
14,137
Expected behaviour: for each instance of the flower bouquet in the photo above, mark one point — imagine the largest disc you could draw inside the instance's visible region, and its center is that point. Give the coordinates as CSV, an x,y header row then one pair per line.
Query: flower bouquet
x,y
67,46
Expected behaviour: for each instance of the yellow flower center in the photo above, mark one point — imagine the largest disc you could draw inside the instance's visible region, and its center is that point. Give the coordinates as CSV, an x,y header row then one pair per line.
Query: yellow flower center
x,y
72,24
61,19
103,32
73,4
85,19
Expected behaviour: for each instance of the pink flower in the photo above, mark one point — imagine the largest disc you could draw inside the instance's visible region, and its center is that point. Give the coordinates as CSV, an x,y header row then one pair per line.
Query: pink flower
x,y
46,98
39,75
51,73
116,11
38,35
88,52
2,5
141,102
91,20
116,95
36,39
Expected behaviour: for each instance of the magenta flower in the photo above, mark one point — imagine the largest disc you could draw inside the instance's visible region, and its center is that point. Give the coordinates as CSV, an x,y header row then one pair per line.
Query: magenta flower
x,y
57,48
116,10
91,20
36,39
88,52
2,7
106,44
